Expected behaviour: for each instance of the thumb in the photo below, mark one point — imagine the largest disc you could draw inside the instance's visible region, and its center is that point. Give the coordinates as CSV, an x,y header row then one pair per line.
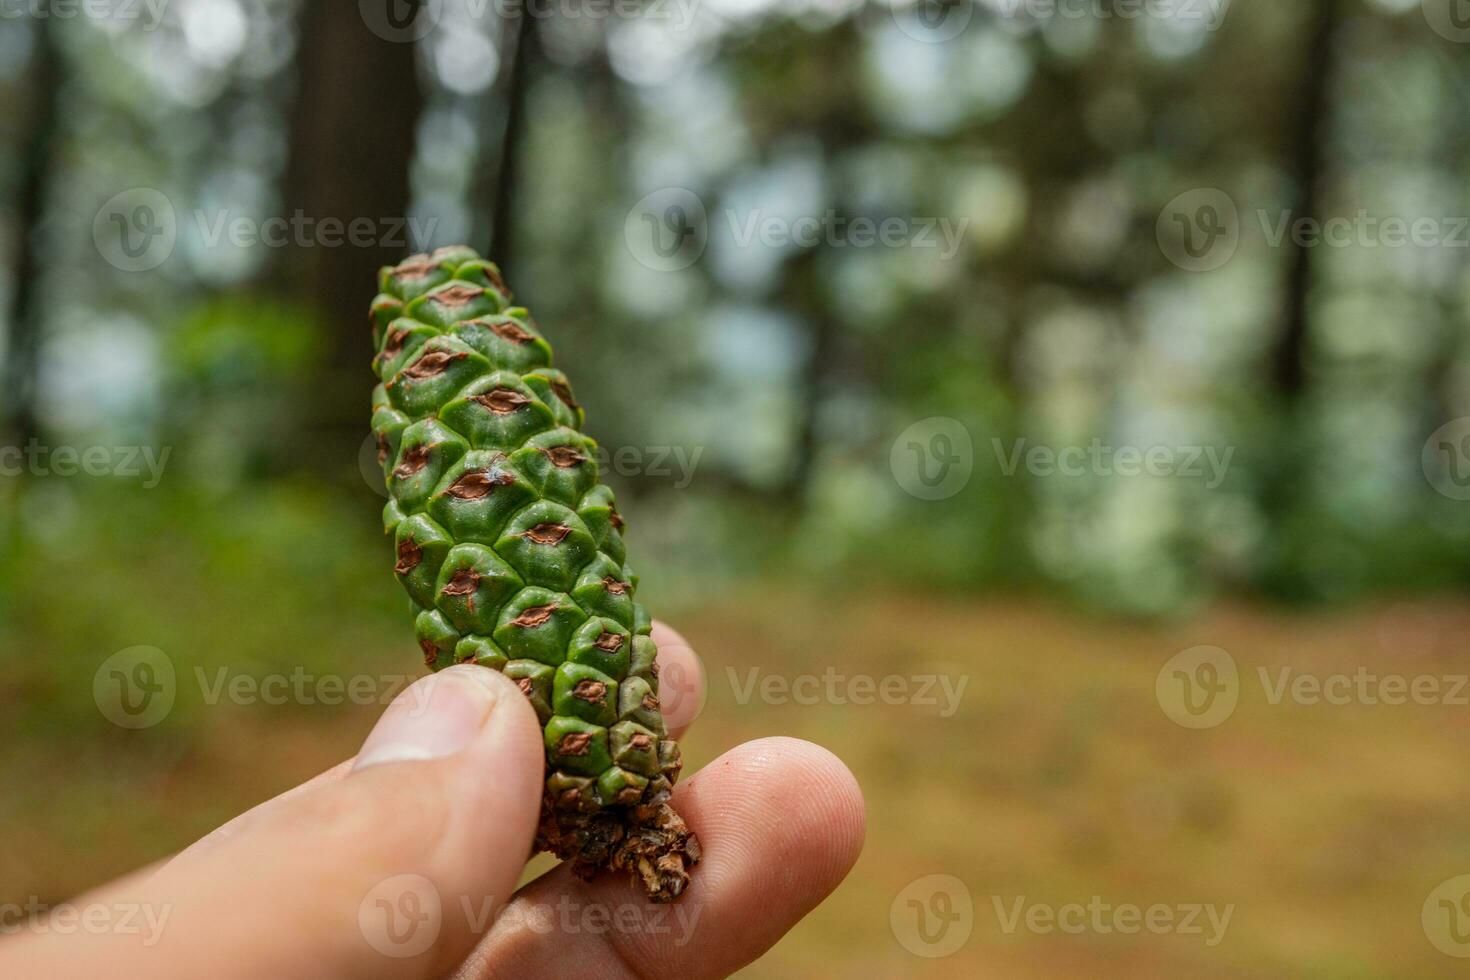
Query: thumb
x,y
395,871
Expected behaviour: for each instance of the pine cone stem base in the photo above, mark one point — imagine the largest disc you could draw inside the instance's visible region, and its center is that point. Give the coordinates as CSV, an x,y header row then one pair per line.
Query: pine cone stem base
x,y
651,842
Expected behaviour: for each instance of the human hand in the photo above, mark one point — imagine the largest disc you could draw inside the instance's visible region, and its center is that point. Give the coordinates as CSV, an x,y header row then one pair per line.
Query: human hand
x,y
399,863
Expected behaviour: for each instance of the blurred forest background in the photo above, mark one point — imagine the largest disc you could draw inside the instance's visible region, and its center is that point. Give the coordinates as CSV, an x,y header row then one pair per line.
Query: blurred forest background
x,y
571,143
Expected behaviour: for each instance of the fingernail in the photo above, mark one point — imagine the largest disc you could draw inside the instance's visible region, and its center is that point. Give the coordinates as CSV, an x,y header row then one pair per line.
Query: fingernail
x,y
435,718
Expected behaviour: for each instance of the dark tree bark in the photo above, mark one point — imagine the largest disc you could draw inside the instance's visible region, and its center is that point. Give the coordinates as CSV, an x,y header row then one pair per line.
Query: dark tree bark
x,y
23,346
1311,133
353,135
1281,499
1445,401
526,54
804,295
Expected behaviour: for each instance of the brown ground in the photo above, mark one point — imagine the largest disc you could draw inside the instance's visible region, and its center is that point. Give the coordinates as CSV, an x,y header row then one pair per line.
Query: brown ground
x,y
1059,779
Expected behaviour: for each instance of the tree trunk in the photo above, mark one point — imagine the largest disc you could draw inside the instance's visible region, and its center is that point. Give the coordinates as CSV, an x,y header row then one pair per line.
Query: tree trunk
x,y
357,109
1281,499
803,294
1289,368
525,50
20,420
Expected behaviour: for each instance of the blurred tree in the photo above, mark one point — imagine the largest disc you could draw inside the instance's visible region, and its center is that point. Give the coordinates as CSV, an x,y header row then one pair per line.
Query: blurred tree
x,y
1311,126
1306,148
354,123
523,53
38,167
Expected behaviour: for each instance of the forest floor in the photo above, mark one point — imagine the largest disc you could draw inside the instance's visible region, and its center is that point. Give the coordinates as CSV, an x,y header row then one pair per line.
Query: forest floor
x,y
1026,754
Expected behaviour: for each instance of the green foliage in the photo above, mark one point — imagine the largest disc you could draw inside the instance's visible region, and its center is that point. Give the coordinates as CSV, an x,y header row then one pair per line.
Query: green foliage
x,y
243,341
241,588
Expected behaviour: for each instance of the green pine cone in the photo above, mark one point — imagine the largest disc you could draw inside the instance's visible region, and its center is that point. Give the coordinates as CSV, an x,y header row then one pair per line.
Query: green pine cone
x,y
511,551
